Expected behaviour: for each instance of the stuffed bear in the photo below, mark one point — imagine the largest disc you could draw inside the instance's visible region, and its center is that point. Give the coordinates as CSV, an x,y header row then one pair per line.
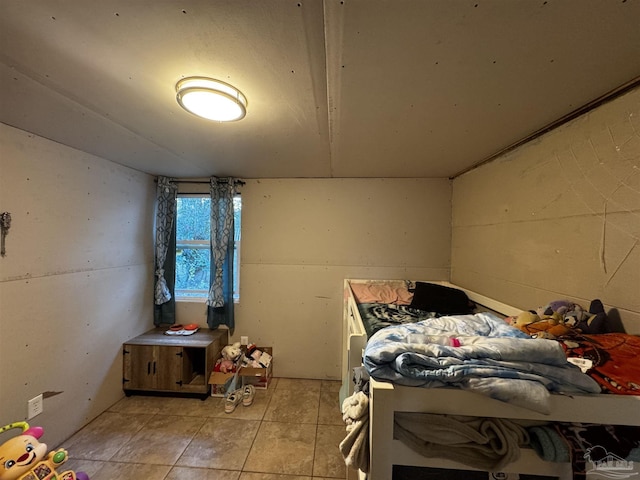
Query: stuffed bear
x,y
549,326
230,354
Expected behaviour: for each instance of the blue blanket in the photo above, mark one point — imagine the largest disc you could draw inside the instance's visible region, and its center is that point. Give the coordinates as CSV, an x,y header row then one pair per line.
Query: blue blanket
x,y
492,358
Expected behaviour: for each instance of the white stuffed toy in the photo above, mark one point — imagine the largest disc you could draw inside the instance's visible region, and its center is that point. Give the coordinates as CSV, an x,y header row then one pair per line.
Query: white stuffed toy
x,y
232,352
230,355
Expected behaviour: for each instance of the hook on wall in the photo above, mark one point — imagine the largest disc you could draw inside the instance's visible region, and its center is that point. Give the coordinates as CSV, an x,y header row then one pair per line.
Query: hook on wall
x,y
5,224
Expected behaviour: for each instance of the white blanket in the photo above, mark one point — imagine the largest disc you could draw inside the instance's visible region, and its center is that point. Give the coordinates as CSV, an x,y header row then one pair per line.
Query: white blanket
x,y
355,446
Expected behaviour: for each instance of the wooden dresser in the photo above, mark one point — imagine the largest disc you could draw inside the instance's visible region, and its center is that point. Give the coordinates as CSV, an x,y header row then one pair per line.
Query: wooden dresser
x,y
155,362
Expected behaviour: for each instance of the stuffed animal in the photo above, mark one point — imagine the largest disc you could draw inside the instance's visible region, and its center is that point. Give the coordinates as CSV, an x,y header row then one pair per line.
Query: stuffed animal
x,y
560,317
595,321
25,458
572,314
557,306
549,326
230,354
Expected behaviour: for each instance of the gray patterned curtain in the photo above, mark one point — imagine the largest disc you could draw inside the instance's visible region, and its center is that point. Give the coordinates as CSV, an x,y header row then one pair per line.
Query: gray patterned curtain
x,y
220,300
166,193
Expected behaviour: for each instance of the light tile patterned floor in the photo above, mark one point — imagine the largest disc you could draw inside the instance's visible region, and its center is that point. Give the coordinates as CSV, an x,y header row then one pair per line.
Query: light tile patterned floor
x,y
291,432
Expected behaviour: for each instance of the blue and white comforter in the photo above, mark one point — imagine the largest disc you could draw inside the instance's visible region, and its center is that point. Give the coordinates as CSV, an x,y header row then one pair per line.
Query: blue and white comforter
x,y
493,359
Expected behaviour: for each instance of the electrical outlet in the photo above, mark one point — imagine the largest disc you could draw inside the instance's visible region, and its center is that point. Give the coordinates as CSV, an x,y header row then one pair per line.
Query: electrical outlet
x,y
35,406
244,340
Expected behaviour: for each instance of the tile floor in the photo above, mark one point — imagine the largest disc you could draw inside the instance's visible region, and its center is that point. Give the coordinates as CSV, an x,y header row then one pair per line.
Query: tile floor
x,y
291,432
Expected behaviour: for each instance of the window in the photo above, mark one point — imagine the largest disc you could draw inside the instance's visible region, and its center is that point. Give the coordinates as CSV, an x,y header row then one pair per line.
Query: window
x,y
193,252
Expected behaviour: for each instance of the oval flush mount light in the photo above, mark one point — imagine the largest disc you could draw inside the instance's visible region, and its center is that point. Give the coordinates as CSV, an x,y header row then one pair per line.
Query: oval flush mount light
x,y
211,99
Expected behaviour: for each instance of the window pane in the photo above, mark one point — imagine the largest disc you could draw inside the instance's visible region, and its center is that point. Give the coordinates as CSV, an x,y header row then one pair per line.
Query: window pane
x,y
237,210
194,220
192,268
193,255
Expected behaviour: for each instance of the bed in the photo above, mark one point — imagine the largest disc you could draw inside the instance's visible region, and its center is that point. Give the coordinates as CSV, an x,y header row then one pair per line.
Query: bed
x,y
386,399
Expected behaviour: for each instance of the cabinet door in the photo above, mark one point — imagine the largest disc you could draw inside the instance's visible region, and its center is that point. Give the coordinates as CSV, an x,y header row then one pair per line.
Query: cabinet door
x,y
169,368
139,367
152,367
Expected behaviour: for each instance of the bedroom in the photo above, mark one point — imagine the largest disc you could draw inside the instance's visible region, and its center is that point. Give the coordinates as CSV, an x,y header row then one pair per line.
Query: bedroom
x,y
79,253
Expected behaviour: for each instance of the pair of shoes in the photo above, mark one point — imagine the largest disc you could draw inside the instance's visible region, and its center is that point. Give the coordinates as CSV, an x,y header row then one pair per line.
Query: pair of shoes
x,y
248,392
244,395
232,401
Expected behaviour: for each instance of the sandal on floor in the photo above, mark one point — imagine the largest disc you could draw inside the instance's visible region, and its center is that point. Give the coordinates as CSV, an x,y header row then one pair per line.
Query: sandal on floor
x,y
248,392
232,401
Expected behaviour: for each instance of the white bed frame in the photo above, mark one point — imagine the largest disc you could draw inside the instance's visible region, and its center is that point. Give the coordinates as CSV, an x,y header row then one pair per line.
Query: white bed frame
x,y
386,398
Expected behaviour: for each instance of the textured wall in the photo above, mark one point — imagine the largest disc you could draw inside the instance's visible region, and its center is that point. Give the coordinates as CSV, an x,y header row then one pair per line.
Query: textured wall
x,y
76,281
301,238
558,217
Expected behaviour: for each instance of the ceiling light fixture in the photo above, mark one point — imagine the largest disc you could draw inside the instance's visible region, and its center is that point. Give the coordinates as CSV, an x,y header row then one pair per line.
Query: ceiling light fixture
x,y
211,99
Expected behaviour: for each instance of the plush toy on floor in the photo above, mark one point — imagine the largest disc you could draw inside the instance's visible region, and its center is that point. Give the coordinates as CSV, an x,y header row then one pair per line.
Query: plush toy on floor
x,y
25,458
230,355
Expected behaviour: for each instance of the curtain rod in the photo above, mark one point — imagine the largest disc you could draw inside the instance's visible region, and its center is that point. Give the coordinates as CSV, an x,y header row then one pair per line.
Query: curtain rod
x,y
204,182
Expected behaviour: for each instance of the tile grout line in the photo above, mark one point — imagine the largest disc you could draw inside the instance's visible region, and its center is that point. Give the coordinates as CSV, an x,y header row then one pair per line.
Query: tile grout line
x,y
256,435
321,418
204,421
315,439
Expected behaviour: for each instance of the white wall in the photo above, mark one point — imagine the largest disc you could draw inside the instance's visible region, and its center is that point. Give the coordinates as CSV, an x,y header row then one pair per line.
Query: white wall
x,y
558,217
302,237
76,281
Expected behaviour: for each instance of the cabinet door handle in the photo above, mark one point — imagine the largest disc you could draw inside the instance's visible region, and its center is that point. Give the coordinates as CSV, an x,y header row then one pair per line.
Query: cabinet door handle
x,y
148,368
154,368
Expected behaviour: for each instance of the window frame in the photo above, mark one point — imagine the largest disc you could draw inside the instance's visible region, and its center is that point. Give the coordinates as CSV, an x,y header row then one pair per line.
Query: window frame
x,y
201,295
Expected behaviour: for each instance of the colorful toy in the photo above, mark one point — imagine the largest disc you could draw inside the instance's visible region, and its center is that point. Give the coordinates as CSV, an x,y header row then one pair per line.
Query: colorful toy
x,y
549,326
25,458
560,318
575,316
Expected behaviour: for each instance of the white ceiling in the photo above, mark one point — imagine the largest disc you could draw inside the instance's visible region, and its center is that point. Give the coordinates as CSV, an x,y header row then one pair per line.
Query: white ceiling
x,y
351,88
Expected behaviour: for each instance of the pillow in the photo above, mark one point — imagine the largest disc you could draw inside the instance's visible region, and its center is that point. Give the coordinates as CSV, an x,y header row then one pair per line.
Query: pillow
x,y
387,292
438,298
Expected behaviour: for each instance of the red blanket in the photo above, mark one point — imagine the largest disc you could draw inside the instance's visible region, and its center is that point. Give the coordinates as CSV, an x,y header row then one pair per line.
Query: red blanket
x,y
615,357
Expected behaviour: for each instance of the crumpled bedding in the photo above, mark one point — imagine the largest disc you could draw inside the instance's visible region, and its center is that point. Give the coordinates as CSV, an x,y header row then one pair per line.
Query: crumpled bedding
x,y
355,446
483,443
493,359
376,316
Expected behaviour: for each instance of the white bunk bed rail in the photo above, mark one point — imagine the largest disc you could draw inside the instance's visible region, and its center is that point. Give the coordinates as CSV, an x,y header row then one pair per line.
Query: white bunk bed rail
x,y
385,399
